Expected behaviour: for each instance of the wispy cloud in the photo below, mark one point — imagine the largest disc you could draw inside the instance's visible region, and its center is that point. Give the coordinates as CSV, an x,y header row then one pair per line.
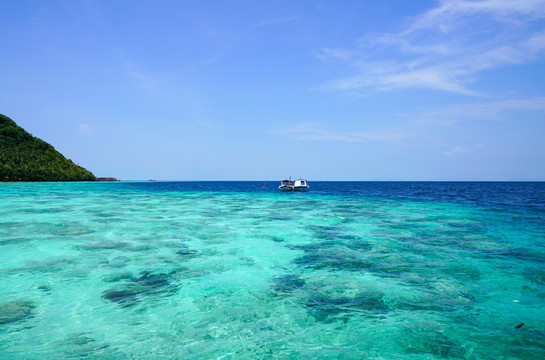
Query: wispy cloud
x,y
274,21
450,14
340,54
490,110
207,124
416,126
322,131
446,47
84,129
212,59
141,77
462,149
166,84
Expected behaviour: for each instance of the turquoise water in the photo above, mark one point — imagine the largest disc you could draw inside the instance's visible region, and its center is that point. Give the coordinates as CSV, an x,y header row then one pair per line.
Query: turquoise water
x,y
242,271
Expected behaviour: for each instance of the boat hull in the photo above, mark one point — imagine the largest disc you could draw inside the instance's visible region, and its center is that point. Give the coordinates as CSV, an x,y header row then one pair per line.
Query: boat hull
x,y
300,188
285,188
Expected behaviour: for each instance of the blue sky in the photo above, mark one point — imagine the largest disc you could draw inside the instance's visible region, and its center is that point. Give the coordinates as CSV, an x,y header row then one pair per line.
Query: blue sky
x,y
261,90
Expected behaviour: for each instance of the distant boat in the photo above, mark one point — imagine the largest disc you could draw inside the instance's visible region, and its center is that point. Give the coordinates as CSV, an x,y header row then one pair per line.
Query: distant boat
x,y
286,185
300,185
296,185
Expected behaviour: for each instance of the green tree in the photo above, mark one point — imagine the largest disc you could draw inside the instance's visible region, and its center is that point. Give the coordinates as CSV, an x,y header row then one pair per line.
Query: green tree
x,y
24,157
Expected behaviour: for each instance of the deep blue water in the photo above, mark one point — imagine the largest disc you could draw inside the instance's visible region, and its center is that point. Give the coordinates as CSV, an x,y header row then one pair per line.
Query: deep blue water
x,y
530,195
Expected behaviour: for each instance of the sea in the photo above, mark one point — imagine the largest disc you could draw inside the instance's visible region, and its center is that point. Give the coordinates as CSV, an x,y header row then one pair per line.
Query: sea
x,y
240,270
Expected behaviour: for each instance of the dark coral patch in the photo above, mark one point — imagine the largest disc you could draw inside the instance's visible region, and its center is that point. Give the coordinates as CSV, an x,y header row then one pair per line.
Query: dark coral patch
x,y
328,309
127,295
288,283
14,311
187,254
151,279
346,241
148,283
45,288
335,260
516,253
536,276
314,247
358,245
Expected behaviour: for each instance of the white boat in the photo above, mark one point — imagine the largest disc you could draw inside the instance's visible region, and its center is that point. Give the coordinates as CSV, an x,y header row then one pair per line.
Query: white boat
x,y
286,185
294,185
300,185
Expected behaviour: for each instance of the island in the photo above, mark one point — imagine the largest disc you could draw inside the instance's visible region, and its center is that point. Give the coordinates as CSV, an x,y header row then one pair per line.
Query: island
x,y
24,157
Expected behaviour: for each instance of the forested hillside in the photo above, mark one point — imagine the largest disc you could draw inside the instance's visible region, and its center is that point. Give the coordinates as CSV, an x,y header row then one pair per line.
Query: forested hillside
x,y
24,157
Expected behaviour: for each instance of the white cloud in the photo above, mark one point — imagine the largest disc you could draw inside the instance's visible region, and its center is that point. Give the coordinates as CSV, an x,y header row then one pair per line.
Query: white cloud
x,y
450,13
446,47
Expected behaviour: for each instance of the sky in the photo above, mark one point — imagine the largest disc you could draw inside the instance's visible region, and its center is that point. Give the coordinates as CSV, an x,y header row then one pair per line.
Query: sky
x,y
264,90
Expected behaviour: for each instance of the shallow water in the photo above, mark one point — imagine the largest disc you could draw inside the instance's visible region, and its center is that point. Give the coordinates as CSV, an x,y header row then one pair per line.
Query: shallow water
x,y
229,270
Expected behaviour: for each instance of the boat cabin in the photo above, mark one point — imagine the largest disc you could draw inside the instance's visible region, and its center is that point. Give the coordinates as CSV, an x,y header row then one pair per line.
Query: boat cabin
x,y
285,183
300,185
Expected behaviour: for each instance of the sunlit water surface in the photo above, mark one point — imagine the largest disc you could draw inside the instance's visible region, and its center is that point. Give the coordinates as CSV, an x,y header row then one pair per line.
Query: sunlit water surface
x,y
239,270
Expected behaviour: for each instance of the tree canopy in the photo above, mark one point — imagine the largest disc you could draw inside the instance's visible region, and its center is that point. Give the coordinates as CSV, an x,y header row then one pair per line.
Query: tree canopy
x,y
24,157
